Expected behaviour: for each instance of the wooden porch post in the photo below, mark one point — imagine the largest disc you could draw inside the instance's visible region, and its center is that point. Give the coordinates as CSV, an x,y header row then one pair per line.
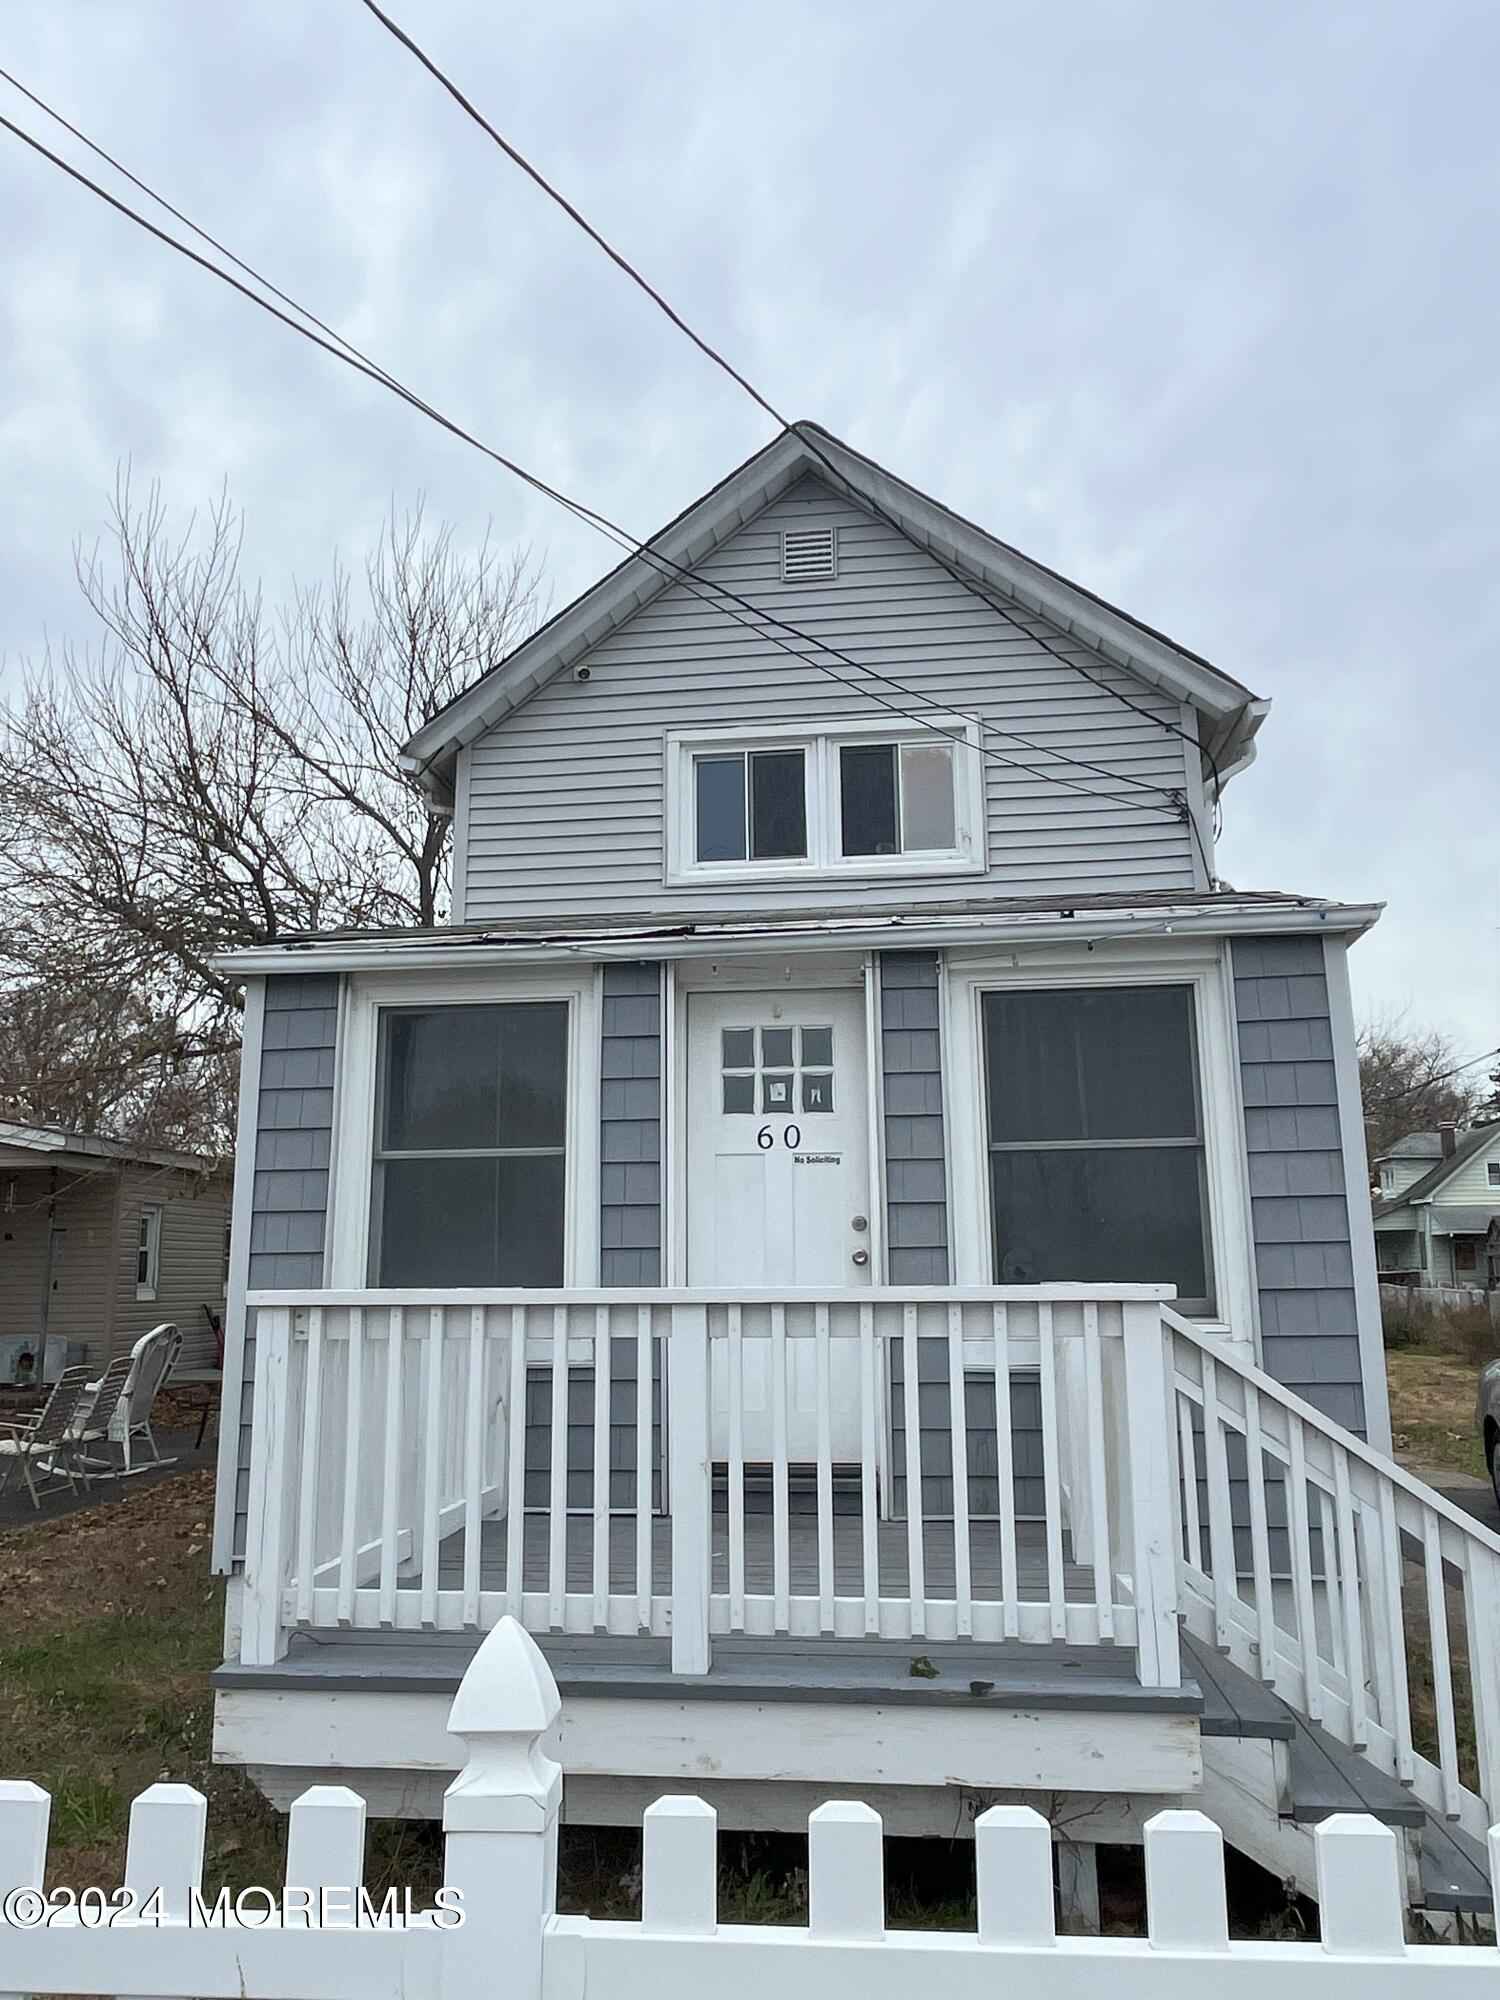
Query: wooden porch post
x,y
689,1487
263,1637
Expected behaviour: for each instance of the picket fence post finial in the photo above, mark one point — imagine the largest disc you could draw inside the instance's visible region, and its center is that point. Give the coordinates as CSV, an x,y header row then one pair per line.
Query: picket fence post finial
x,y
500,1818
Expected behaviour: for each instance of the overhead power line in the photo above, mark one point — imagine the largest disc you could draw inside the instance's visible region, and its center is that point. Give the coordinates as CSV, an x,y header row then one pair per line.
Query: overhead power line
x,y
1427,1082
973,585
718,596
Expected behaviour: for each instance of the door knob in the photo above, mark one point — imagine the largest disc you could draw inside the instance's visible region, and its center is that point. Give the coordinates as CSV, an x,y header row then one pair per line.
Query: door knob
x,y
860,1257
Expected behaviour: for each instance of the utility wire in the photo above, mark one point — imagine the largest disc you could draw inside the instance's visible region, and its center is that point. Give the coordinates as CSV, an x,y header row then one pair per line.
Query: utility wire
x,y
344,350
618,258
1426,1082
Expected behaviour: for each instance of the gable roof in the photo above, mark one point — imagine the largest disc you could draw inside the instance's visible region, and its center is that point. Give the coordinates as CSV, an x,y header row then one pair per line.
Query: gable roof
x,y
1469,1143
1415,1146
1229,713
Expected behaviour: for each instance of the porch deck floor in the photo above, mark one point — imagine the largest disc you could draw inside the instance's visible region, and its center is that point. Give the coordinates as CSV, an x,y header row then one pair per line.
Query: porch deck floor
x,y
893,1555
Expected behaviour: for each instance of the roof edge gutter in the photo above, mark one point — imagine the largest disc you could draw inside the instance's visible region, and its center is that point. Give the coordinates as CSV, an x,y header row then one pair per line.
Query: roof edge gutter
x,y
914,934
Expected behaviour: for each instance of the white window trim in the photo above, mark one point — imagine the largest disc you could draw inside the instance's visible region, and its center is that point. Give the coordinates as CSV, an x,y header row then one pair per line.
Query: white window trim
x,y
353,1161
969,976
148,1287
822,741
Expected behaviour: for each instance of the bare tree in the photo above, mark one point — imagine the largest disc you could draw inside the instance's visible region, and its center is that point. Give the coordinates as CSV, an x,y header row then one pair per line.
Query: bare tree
x,y
1406,1082
215,775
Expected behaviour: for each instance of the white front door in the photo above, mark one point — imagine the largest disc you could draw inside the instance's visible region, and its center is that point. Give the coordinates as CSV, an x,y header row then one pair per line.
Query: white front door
x,y
778,1183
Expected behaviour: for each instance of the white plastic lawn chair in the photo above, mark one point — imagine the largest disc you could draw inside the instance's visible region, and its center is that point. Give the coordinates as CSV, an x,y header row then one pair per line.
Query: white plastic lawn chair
x,y
151,1361
44,1440
95,1414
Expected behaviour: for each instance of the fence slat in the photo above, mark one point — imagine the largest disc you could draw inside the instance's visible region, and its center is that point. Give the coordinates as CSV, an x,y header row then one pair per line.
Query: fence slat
x,y
845,1872
1013,1876
164,1846
679,1868
325,1849
1360,1889
25,1810
1187,1905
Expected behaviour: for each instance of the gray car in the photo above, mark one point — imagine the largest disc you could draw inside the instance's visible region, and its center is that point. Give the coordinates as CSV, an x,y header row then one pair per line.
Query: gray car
x,y
1487,1417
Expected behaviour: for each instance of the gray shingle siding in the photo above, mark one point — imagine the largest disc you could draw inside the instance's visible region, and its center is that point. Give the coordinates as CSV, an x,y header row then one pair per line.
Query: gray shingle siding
x,y
630,1127
916,1188
1298,1200
293,1140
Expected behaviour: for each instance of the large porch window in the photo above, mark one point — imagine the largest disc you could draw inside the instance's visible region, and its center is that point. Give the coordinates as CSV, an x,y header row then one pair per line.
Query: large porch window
x,y
471,1118
1095,1138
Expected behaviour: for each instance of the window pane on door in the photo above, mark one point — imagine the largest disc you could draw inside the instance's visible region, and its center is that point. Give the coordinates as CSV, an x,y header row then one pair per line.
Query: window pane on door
x,y
1113,1062
778,805
1123,1215
927,817
867,798
720,807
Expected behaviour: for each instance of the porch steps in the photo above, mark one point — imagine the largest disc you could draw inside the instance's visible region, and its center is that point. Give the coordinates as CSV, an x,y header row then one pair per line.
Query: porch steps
x,y
1323,1778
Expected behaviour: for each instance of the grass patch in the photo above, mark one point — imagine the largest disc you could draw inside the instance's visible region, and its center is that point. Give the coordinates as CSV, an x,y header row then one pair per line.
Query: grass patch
x,y
1433,1359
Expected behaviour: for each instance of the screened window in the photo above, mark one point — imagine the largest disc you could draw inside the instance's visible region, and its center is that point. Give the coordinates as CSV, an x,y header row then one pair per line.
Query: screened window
x,y
148,1253
1493,1169
751,805
1096,1138
470,1145
896,798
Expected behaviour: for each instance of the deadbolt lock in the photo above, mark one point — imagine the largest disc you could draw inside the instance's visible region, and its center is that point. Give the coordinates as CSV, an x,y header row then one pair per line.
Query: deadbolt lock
x,y
859,1222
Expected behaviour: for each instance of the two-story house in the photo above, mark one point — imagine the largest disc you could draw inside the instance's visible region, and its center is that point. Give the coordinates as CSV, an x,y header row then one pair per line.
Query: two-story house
x,y
852,1234
1439,1196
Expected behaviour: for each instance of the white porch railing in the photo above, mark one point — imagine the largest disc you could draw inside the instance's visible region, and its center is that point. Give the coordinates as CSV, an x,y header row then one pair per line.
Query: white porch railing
x,y
942,1465
494,1927
1363,1598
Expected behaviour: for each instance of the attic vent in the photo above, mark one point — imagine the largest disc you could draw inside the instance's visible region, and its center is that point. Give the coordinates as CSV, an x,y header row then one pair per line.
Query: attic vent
x,y
808,554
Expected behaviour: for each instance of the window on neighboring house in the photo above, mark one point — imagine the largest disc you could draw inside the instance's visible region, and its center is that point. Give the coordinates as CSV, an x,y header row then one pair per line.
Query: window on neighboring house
x,y
1387,1179
470,1145
148,1253
842,798
1465,1254
1492,1168
1095,1134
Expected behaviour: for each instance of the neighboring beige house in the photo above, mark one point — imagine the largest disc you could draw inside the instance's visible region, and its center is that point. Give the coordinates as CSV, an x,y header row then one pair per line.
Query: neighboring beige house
x,y
100,1241
1438,1195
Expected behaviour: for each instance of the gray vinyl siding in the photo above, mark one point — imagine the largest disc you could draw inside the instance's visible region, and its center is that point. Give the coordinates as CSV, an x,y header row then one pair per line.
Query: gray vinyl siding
x,y
565,797
916,1182
293,1142
630,1106
1304,1266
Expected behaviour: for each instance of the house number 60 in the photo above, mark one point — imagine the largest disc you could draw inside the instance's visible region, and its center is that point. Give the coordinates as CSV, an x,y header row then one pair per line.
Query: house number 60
x,y
765,1138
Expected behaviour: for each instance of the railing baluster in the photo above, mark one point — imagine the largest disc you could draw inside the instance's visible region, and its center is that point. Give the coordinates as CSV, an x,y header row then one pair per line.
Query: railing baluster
x,y
1220,1528
354,1438
1332,1582
390,1494
1192,1513
1394,1633
1098,1470
645,1464
1005,1455
1260,1537
825,1467
911,1404
1442,1662
870,1372
780,1505
1051,1483
603,1373
473,1466
1351,1597
557,1498
734,1361
958,1420
307,1465
515,1467
432,1463
1482,1622
1302,1582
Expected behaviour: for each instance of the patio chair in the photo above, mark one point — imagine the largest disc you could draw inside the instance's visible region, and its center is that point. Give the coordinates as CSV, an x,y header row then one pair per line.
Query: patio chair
x,y
44,1440
151,1362
90,1425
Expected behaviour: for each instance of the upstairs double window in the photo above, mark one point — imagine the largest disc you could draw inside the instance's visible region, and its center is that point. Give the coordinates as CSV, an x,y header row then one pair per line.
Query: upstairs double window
x,y
843,799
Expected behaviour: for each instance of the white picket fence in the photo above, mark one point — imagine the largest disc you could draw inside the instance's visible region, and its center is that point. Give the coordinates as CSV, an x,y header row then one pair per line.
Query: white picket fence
x,y
500,1822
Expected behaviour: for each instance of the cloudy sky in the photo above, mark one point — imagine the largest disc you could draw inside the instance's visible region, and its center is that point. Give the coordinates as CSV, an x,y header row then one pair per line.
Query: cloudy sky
x,y
1197,304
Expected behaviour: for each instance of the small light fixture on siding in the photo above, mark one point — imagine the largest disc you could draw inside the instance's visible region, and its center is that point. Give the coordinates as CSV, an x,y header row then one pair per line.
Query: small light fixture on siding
x,y
809,554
